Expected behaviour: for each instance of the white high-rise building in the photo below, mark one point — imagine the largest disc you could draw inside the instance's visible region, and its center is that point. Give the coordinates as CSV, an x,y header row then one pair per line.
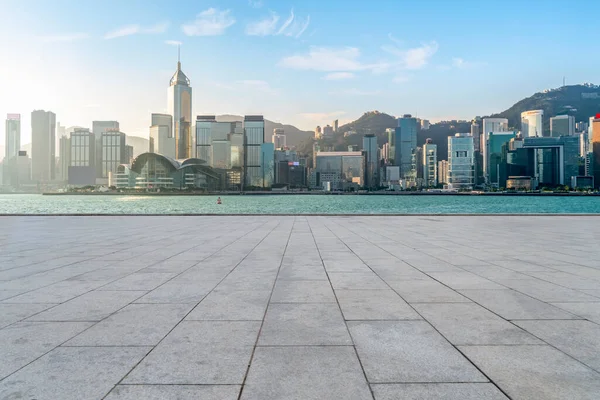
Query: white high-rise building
x,y
430,163
161,135
43,146
461,162
562,125
279,138
180,108
532,123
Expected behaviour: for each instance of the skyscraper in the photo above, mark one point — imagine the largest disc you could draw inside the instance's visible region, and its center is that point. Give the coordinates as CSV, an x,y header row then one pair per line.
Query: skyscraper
x,y
279,138
254,133
532,123
430,163
336,125
405,144
595,149
98,128
180,108
372,161
12,145
43,142
161,135
562,125
460,161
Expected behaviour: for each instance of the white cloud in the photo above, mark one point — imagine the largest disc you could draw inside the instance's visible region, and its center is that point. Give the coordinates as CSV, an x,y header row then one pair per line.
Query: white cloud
x,y
345,59
173,42
255,3
286,23
292,26
123,31
65,37
415,58
134,29
338,76
264,27
211,22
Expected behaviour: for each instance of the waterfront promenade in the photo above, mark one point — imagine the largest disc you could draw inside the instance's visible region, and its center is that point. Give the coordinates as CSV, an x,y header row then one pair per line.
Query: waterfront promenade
x,y
300,307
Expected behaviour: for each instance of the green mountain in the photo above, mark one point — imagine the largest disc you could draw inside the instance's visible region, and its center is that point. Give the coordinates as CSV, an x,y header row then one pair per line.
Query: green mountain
x,y
581,101
293,135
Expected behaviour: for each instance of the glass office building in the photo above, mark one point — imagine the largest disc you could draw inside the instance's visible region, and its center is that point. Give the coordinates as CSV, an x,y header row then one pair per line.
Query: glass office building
x,y
372,161
461,167
494,143
405,144
254,133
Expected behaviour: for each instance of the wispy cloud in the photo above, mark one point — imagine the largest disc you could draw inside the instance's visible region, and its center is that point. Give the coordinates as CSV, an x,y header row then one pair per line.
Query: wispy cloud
x,y
173,42
135,29
123,31
338,76
211,22
269,25
345,59
413,58
255,3
322,116
64,37
264,27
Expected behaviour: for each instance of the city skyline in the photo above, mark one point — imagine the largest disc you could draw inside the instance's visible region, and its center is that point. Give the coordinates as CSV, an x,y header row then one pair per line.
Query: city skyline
x,y
306,74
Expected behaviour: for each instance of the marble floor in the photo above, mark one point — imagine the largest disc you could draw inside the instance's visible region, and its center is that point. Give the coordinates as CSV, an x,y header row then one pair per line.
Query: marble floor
x,y
275,307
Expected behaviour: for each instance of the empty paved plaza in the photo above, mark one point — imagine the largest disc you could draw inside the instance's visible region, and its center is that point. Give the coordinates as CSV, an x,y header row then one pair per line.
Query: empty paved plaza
x,y
300,307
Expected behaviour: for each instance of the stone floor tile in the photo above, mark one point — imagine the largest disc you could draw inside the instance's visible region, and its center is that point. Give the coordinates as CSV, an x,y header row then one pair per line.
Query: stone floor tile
x,y
11,313
409,351
232,305
510,305
75,373
356,281
308,373
92,306
535,372
437,391
303,292
140,281
301,272
426,291
579,339
134,325
174,392
304,324
374,305
178,293
200,352
23,342
469,323
464,280
589,311
546,291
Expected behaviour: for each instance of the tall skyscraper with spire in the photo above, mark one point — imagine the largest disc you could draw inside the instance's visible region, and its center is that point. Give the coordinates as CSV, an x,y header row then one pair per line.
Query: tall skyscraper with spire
x,y
180,107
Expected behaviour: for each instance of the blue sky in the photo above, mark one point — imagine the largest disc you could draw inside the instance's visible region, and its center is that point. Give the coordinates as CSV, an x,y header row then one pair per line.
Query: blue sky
x,y
300,62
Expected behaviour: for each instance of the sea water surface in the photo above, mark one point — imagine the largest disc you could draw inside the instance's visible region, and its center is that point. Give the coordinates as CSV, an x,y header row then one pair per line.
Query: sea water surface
x,y
297,204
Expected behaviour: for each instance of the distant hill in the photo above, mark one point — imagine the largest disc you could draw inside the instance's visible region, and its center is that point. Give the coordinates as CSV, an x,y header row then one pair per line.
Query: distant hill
x,y
294,136
581,101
